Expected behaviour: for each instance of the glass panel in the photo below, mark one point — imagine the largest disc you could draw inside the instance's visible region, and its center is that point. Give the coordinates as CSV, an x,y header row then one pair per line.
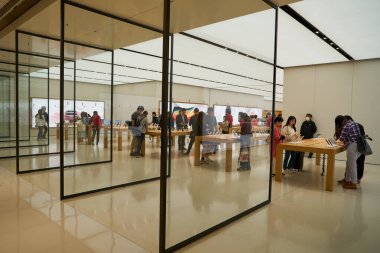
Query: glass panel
x,y
39,147
136,83
220,164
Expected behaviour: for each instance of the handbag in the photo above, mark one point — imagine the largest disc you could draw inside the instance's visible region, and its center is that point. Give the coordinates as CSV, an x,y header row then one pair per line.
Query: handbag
x,y
363,146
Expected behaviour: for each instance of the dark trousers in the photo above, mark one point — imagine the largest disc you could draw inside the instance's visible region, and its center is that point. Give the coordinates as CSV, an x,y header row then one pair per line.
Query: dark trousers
x,y
140,140
290,157
360,166
40,130
95,131
192,139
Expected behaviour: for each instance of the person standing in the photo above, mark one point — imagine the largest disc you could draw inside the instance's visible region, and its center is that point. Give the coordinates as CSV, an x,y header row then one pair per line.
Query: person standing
x,y
308,129
194,128
229,117
40,124
181,123
340,122
96,123
143,124
154,118
211,126
290,132
46,116
225,125
135,131
348,138
245,141
269,119
277,139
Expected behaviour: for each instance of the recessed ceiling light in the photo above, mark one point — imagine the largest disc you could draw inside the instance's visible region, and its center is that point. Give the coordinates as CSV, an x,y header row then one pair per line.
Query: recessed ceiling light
x,y
331,43
317,32
337,48
324,38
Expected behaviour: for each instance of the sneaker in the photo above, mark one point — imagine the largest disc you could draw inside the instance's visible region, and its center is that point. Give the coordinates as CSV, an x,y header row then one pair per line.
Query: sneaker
x,y
349,185
342,181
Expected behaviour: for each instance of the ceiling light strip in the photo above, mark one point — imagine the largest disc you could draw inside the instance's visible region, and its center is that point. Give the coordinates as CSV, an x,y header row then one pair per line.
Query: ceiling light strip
x,y
291,12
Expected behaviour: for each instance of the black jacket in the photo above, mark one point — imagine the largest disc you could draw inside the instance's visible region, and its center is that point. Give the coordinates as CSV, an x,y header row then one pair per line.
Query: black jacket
x,y
181,122
308,129
194,123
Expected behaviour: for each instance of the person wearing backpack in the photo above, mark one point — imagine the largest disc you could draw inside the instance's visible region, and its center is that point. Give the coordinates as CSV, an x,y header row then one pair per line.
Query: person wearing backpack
x,y
143,125
340,122
135,128
348,137
40,124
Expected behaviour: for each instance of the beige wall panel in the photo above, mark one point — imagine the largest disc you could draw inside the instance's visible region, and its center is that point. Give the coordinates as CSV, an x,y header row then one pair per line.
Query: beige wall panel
x,y
342,88
365,102
299,85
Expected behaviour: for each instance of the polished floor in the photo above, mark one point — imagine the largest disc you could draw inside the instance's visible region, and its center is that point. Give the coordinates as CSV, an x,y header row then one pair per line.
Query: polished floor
x,y
301,218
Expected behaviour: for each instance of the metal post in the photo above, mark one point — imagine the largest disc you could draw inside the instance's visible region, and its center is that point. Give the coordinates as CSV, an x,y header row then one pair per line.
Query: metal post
x,y
61,99
164,133
171,104
17,110
75,99
112,133
273,101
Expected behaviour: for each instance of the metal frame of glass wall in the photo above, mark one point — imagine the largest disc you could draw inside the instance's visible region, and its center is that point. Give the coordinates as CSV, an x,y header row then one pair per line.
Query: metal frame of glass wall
x,y
166,97
62,52
18,52
163,180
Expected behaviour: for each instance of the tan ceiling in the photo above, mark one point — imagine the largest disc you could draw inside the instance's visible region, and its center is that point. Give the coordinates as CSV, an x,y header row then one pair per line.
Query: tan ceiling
x,y
90,28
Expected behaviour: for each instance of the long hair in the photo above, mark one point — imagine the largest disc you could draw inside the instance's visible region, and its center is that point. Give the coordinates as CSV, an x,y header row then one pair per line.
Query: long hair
x,y
290,119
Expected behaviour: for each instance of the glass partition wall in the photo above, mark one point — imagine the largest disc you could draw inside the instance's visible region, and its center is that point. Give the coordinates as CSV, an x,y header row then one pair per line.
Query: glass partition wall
x,y
7,109
108,79
220,165
119,84
37,93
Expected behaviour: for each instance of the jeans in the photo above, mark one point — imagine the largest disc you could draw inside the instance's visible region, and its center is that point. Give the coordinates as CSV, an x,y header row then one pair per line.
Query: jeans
x,y
95,131
140,140
352,155
290,157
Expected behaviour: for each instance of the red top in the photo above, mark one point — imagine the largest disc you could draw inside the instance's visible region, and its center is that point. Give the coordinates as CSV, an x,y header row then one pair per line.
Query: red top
x,y
269,121
96,120
277,139
229,119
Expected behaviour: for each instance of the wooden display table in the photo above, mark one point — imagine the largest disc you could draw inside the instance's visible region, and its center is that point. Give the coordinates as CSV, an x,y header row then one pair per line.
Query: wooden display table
x,y
255,129
174,133
318,146
117,132
228,139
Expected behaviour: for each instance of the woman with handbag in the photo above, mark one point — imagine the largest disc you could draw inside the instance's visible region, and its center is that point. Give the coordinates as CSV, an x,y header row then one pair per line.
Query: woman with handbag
x,y
348,137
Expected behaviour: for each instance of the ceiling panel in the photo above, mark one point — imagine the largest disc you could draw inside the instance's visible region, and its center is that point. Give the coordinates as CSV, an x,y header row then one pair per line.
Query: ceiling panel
x,y
351,24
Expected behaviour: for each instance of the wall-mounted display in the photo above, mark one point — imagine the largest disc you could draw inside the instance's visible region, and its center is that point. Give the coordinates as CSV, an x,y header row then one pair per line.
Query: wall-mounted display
x,y
189,108
70,113
220,111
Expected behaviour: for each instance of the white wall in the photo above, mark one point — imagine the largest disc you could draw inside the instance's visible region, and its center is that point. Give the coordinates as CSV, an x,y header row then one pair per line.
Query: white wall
x,y
331,89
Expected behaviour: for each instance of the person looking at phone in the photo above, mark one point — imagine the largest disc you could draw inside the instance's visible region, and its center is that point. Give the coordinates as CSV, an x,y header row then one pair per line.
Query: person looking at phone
x,y
290,133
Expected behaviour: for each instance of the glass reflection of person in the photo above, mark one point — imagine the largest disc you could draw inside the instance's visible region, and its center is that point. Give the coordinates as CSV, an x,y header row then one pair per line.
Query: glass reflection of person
x,y
46,117
95,122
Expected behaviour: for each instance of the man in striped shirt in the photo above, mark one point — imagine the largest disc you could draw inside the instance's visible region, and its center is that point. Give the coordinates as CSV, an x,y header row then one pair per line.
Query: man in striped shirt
x,y
348,137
